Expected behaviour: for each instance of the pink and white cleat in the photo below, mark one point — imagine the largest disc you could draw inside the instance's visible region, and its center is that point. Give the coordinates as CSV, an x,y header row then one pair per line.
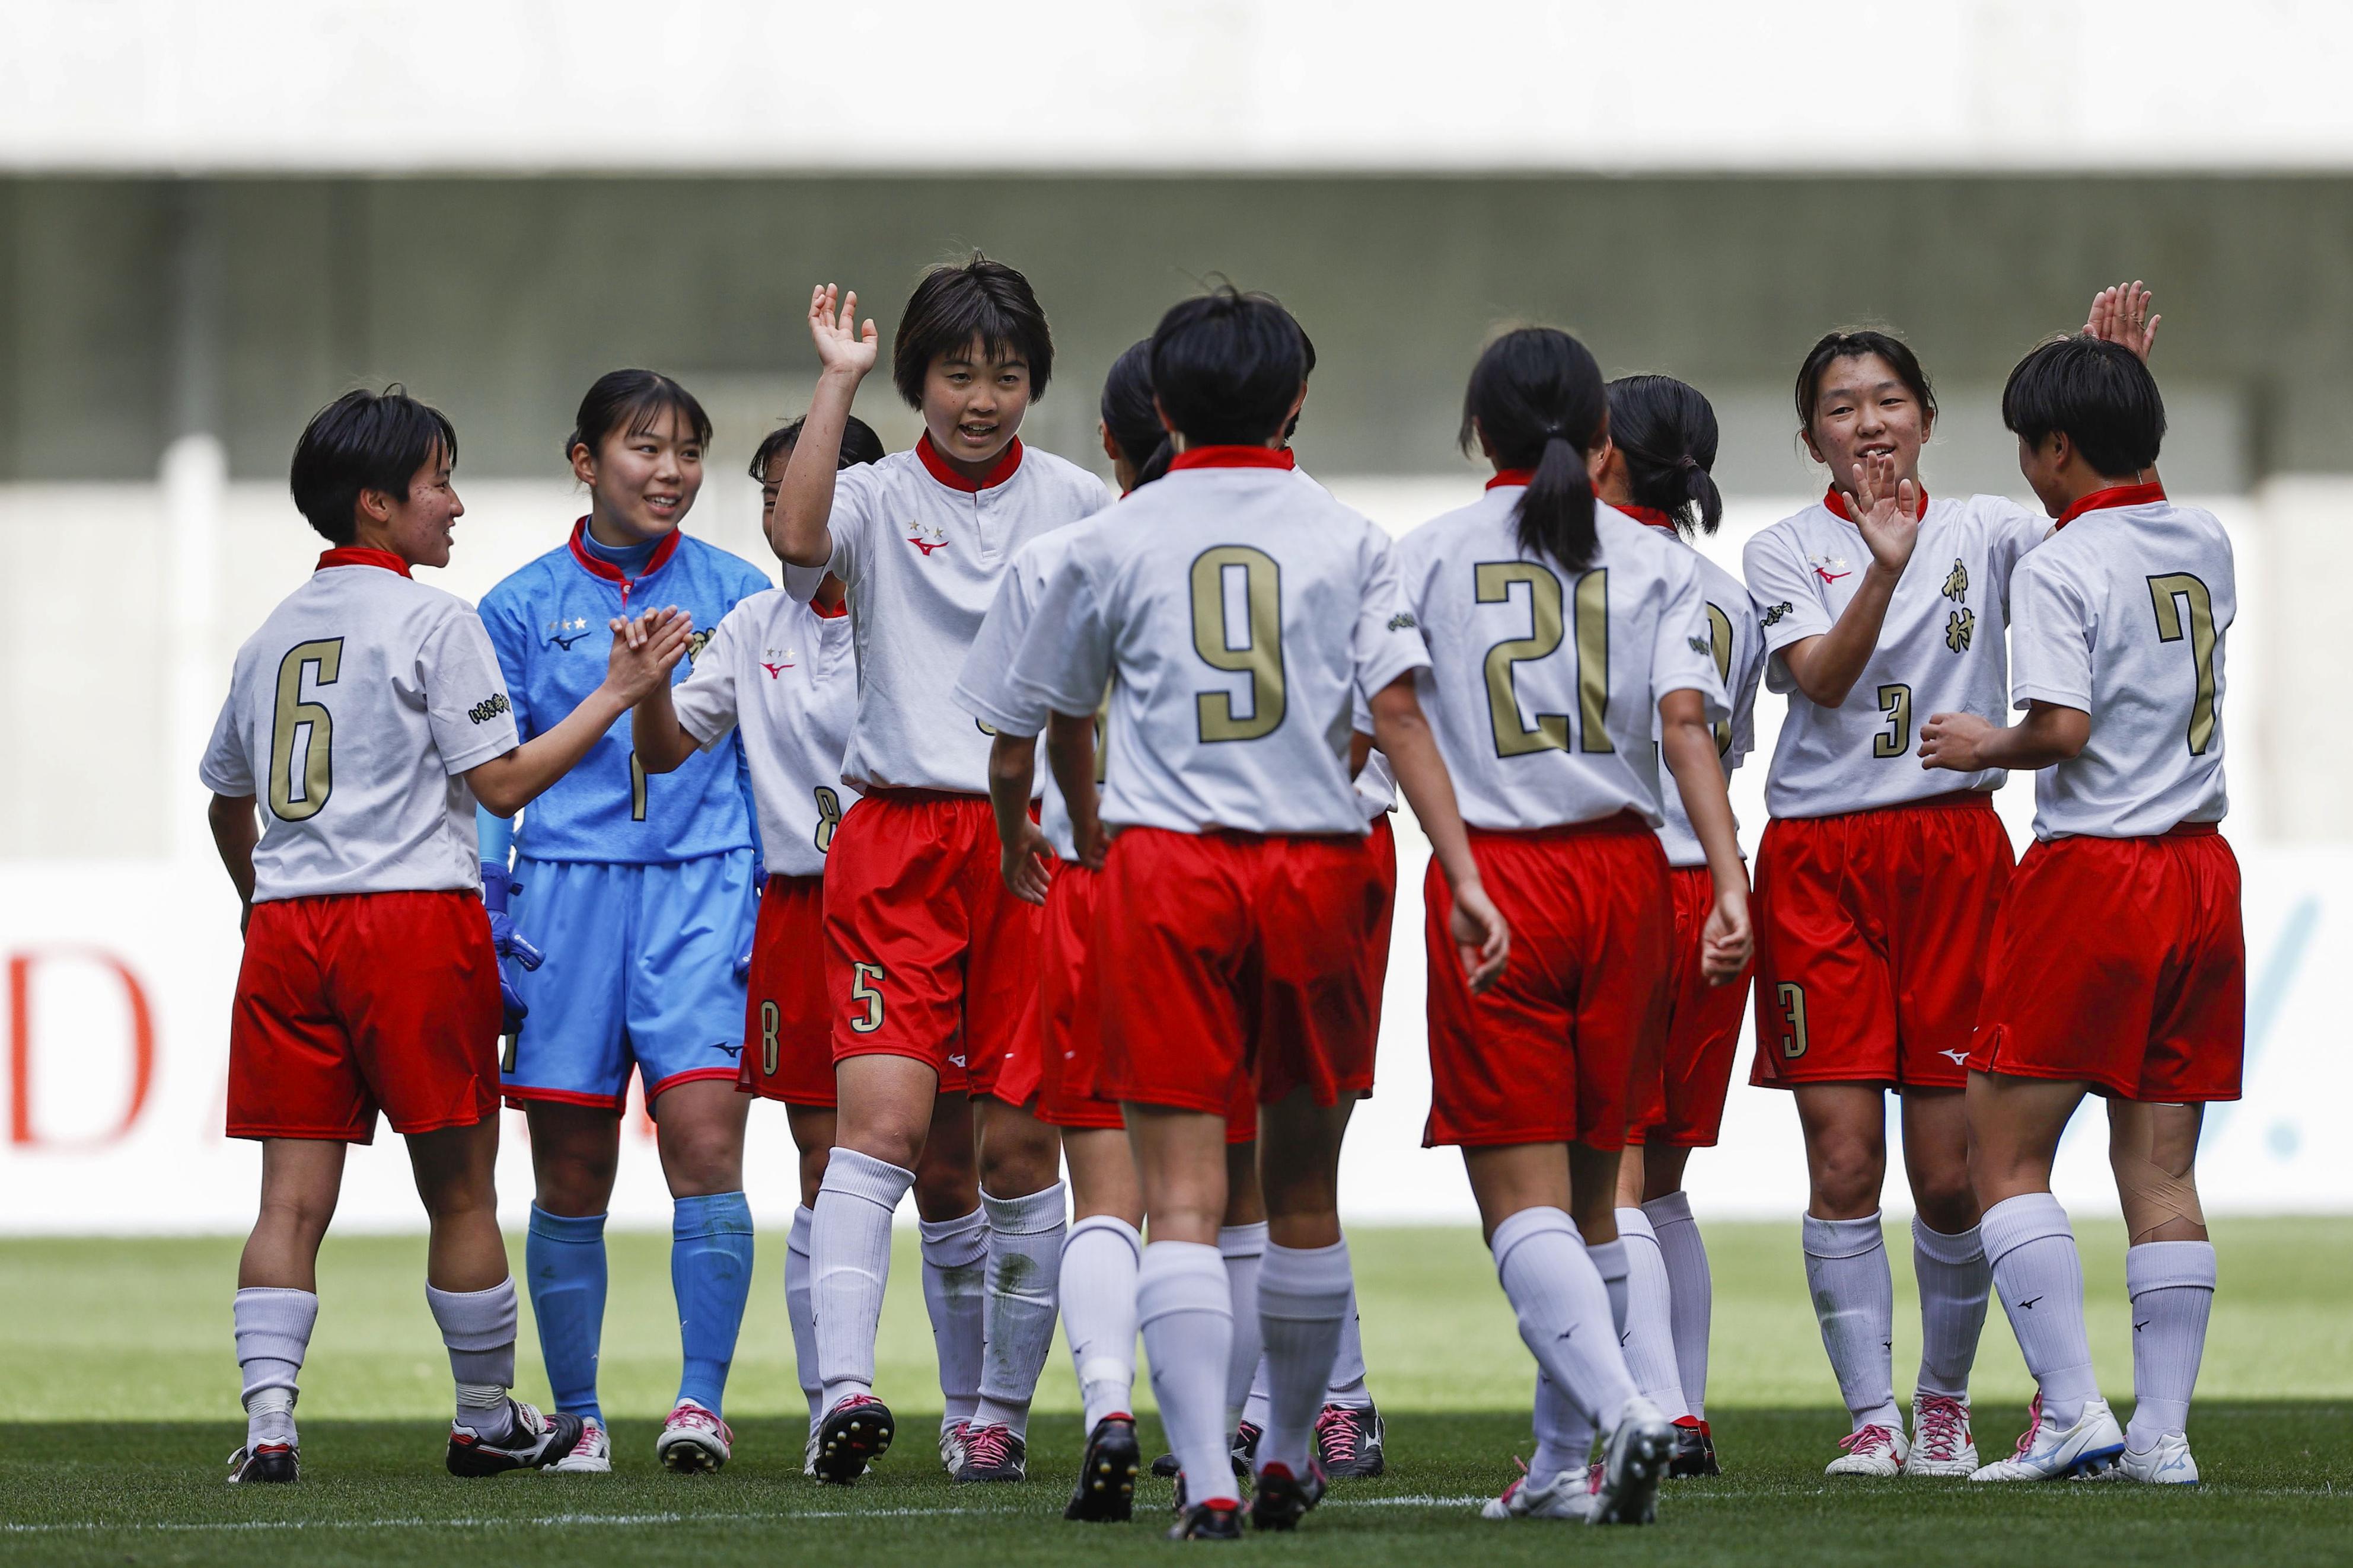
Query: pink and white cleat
x,y
1875,1450
1942,1444
693,1440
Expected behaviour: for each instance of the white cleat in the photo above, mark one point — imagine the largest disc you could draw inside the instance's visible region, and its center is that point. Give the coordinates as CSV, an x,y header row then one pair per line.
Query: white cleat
x,y
1634,1458
592,1456
2047,1453
1942,1444
1877,1451
1568,1495
951,1445
808,1455
2167,1465
693,1440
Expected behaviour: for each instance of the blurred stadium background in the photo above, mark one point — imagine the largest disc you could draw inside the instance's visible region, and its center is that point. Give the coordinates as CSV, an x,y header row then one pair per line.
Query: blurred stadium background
x,y
214,218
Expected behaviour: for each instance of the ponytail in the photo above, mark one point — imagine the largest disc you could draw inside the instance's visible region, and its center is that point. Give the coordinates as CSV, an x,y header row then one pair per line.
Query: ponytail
x,y
1666,431
1536,395
1130,417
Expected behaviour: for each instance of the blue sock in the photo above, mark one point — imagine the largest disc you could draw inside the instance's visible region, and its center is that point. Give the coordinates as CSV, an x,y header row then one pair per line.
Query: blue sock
x,y
564,1261
711,1272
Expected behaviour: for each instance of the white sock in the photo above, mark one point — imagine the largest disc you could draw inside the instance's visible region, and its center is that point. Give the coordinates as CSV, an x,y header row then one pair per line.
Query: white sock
x,y
1564,1310
2041,1276
1099,1261
1564,1434
1254,1407
478,1327
1955,1282
273,1334
2172,1288
1691,1292
955,1294
1303,1300
1610,1262
1242,1248
1348,1390
1649,1337
1186,1309
797,1309
1025,1267
1854,1301
850,1259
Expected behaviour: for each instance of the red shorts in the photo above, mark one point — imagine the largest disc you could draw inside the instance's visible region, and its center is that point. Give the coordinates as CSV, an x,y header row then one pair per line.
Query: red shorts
x,y
1382,842
927,954
787,1027
1235,958
349,1005
1070,1008
2121,962
1547,1056
1680,1084
1872,933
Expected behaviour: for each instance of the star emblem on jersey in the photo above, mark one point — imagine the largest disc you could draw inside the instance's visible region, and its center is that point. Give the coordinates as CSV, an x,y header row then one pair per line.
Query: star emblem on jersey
x,y
1959,626
1956,584
927,537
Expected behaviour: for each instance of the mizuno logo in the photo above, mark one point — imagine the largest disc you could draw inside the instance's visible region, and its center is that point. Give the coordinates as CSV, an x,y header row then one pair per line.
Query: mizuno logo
x,y
774,670
1828,576
2142,1324
1960,1059
2029,1303
566,643
927,537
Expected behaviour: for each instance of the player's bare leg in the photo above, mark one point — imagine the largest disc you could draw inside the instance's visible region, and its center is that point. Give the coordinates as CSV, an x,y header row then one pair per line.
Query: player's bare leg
x,y
576,1152
1950,1262
1100,1258
1845,1127
698,1131
1184,1301
278,1299
1021,1193
2170,1274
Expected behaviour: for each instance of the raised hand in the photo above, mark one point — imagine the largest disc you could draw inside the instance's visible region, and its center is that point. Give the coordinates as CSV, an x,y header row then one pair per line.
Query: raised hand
x,y
1886,509
645,651
1480,938
844,347
2120,314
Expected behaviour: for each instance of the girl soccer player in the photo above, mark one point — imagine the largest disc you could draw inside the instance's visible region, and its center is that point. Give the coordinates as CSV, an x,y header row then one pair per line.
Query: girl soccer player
x,y
1562,637
1876,882
1662,441
639,893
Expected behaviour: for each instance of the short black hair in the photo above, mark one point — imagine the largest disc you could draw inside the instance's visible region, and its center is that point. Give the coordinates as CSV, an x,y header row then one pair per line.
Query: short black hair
x,y
859,445
1226,365
959,302
1854,344
632,400
2098,394
363,441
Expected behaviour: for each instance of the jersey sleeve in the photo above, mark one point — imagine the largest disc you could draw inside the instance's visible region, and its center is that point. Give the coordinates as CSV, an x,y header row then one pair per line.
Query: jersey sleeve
x,y
705,701
986,689
1748,647
2050,638
1387,639
1789,600
1682,654
466,699
857,497
502,620
2015,532
1064,661
225,769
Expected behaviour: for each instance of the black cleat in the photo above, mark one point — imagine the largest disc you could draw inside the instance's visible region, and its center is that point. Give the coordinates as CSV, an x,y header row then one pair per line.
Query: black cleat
x,y
853,1435
993,1454
530,1442
1695,1450
1245,1446
1106,1490
273,1462
1209,1521
1348,1442
1280,1500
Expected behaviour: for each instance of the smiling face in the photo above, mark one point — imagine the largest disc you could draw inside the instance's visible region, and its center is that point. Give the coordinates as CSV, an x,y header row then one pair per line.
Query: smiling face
x,y
1863,410
641,482
417,527
973,404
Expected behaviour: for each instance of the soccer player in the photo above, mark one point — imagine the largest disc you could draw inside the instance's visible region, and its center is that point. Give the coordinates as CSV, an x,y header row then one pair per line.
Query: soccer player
x,y
932,962
784,674
1662,441
2119,962
1234,612
640,894
365,718
1569,653
1875,882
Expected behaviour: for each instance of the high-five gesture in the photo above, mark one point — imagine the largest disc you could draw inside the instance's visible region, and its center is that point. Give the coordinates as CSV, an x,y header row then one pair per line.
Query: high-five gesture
x,y
1886,509
845,347
2120,314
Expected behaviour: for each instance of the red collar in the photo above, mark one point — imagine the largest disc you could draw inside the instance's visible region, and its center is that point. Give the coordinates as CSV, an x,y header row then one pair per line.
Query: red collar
x,y
1504,476
352,555
1233,458
1834,502
2115,495
612,573
1651,515
834,613
938,468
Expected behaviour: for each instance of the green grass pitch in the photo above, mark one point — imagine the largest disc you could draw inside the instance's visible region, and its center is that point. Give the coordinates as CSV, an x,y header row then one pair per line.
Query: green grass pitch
x,y
119,1405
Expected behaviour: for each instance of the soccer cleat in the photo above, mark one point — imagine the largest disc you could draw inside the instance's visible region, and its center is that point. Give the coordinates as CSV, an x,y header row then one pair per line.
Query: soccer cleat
x,y
993,1453
2090,1448
694,1440
283,1462
1568,1495
528,1441
808,1455
952,1436
1348,1442
592,1456
1695,1450
1941,1441
1245,1446
1633,1461
854,1434
1875,1450
1279,1499
1207,1521
2167,1465
1106,1490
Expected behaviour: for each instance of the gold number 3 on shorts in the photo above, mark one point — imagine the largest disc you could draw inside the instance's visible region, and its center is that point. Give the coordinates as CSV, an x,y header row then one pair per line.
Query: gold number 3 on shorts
x,y
1793,1013
859,991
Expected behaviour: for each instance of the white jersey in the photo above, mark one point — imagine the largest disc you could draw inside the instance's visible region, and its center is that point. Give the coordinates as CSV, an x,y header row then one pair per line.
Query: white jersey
x,y
783,672
351,715
1544,693
2123,615
987,689
1738,646
922,549
1240,611
1940,649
